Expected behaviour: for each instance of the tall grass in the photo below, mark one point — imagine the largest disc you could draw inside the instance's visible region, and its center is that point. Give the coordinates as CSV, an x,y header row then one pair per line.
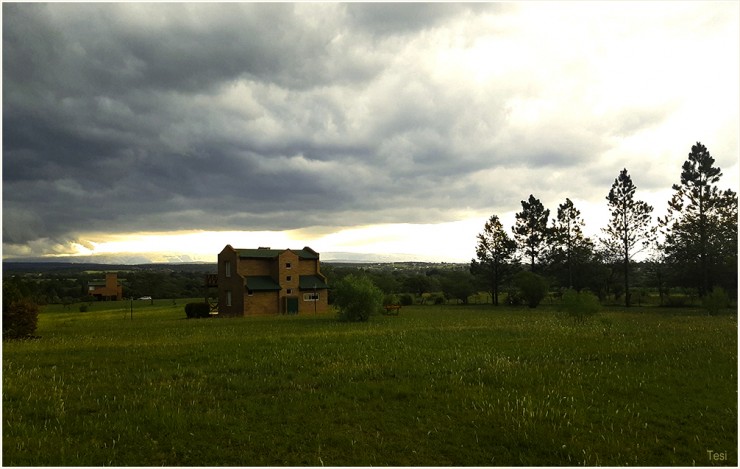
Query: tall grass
x,y
433,386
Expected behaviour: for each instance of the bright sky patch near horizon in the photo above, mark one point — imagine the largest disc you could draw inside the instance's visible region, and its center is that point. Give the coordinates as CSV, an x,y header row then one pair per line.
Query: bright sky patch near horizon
x,y
164,131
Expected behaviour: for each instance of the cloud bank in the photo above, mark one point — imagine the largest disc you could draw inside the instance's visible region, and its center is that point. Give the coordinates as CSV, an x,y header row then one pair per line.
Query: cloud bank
x,y
125,118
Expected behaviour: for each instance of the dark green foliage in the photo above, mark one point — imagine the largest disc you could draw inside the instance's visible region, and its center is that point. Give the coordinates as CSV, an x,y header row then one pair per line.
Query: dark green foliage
x,y
700,227
197,310
495,252
580,305
457,285
390,300
20,314
570,251
531,231
532,287
357,298
514,297
83,308
406,299
418,284
20,318
629,230
716,301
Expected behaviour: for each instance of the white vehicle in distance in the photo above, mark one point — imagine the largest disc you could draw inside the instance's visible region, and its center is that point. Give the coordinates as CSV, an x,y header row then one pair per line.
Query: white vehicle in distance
x,y
145,298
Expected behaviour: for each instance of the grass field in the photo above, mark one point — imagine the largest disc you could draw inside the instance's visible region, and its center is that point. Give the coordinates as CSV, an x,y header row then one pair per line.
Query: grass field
x,y
437,385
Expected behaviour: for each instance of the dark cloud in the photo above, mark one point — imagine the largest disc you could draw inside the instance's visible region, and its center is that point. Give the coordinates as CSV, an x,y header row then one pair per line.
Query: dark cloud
x,y
383,19
157,117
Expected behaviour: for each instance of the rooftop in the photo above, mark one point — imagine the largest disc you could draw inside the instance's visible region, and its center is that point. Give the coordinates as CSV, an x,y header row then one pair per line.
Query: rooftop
x,y
267,253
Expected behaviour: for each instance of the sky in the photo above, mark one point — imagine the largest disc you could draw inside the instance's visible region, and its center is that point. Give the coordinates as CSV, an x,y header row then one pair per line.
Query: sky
x,y
162,132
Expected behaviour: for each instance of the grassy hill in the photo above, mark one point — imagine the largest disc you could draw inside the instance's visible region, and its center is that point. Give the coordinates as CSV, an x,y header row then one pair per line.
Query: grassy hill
x,y
437,385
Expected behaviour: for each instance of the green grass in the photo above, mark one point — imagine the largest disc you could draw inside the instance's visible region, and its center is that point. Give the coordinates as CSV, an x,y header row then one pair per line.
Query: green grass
x,y
437,385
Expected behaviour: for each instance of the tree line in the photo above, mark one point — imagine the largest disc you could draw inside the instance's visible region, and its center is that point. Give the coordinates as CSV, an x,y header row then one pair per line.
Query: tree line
x,y
694,246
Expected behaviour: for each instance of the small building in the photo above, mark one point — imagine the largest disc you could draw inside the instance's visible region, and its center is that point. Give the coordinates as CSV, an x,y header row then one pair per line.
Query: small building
x,y
270,281
105,290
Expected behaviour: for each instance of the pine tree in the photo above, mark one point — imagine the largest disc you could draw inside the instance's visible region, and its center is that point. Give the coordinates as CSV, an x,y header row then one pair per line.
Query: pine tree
x,y
495,252
530,230
701,222
569,246
629,230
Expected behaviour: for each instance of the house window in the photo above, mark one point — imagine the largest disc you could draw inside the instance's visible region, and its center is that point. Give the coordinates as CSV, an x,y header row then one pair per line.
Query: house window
x,y
250,292
310,297
227,267
228,297
290,291
287,265
288,278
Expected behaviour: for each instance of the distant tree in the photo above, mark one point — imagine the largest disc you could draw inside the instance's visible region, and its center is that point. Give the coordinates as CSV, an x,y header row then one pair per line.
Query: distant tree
x,y
569,247
629,229
700,227
418,284
457,284
495,251
357,298
530,230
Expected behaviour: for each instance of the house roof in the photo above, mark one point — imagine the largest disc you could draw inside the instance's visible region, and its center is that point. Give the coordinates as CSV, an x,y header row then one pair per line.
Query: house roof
x,y
267,253
261,283
309,282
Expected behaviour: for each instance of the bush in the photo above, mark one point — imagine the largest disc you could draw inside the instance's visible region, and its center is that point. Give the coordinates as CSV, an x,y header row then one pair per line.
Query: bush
x,y
390,300
198,310
716,300
514,298
357,297
20,319
532,287
580,305
407,300
83,308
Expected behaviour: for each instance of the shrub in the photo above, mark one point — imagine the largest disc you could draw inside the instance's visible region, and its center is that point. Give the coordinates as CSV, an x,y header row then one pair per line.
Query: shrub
x,y
716,300
580,305
390,300
198,310
439,300
83,308
532,287
514,298
407,300
20,318
357,297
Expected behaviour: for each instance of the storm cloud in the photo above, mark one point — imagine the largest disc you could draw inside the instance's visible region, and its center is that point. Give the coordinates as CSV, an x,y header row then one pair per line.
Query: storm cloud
x,y
161,117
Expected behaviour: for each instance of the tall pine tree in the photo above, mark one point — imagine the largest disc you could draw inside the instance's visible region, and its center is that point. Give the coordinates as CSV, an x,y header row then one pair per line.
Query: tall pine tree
x,y
700,227
530,230
495,251
569,247
629,230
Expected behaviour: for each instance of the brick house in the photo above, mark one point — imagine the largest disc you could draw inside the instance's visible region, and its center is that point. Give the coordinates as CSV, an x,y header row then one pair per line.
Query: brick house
x,y
108,289
270,281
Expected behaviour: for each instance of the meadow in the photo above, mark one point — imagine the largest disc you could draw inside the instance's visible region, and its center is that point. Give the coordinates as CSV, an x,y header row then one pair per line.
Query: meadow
x,y
436,385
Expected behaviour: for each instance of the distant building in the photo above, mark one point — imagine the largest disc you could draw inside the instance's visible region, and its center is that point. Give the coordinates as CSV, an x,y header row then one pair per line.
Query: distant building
x,y
106,290
270,281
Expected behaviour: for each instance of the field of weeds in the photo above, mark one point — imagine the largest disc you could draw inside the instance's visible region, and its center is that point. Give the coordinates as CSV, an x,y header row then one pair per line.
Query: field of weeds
x,y
437,385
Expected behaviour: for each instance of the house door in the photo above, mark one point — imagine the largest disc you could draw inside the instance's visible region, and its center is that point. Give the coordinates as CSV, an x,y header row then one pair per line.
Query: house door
x,y
291,305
